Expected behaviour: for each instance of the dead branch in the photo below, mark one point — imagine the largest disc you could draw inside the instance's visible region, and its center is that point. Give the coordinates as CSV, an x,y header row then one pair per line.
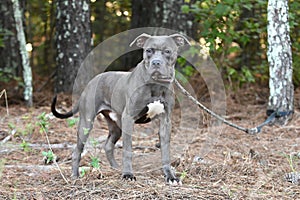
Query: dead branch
x,y
54,160
3,92
7,138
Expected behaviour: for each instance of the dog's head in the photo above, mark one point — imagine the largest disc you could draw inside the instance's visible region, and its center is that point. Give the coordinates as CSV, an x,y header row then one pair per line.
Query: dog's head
x,y
160,54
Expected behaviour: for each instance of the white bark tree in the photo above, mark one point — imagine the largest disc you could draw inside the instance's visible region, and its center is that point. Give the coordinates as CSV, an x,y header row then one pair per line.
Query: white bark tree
x,y
27,74
280,61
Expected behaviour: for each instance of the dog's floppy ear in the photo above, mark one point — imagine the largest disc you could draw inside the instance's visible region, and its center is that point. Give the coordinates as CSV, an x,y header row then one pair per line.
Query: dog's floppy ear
x,y
180,40
140,40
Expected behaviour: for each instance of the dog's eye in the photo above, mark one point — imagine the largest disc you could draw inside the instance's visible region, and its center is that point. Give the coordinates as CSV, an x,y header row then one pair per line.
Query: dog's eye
x,y
149,50
167,51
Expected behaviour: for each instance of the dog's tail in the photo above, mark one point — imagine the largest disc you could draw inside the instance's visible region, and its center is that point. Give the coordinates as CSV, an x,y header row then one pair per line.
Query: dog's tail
x,y
59,115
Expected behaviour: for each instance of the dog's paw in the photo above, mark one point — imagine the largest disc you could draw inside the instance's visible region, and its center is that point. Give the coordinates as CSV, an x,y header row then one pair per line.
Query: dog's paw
x,y
174,181
128,177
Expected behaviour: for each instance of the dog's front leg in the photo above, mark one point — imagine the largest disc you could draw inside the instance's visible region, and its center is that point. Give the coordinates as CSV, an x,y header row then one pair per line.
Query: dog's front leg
x,y
127,130
165,134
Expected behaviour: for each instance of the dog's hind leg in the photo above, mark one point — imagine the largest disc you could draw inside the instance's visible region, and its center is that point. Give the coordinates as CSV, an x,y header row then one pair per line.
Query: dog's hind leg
x,y
84,127
113,136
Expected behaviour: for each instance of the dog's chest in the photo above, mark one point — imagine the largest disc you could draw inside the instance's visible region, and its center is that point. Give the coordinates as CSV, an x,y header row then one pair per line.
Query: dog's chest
x,y
150,111
154,109
156,100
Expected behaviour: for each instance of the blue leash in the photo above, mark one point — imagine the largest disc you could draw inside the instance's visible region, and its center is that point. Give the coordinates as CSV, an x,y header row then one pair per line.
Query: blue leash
x,y
272,116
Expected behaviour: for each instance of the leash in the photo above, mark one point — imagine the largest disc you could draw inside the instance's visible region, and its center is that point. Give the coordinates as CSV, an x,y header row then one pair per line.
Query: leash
x,y
255,130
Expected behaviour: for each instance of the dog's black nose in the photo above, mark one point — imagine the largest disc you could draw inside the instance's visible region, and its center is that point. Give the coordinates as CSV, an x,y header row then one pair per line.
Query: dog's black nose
x,y
156,63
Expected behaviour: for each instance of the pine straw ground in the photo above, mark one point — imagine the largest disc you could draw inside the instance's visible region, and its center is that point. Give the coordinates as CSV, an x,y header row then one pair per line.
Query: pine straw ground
x,y
214,162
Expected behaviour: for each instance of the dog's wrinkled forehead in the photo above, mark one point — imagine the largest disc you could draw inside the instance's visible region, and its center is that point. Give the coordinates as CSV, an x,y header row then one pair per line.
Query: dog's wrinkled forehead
x,y
172,41
160,43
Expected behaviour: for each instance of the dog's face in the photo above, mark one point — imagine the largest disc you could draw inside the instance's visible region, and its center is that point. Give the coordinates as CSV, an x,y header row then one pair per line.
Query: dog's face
x,y
160,54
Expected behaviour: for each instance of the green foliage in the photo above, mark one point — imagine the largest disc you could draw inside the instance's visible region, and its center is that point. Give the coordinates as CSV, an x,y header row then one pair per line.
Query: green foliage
x,y
85,131
111,17
82,172
11,126
25,146
3,33
95,162
94,142
241,77
292,159
294,15
183,175
7,75
49,156
43,122
185,68
72,121
235,32
229,27
23,133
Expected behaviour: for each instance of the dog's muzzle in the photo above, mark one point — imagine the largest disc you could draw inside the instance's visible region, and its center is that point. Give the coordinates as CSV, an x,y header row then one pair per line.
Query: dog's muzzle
x,y
156,76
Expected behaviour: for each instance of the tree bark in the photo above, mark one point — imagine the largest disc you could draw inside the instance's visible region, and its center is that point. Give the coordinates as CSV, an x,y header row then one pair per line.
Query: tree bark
x,y
166,14
280,60
10,61
73,40
27,74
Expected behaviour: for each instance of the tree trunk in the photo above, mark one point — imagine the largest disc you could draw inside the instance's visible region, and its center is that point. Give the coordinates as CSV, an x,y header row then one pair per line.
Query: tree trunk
x,y
10,62
27,74
166,14
280,61
73,40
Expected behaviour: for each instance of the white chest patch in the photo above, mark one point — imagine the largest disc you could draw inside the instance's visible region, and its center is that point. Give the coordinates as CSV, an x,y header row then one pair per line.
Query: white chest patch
x,y
155,108
113,116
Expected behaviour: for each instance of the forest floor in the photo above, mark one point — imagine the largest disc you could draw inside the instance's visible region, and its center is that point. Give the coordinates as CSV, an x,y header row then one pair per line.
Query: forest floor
x,y
214,162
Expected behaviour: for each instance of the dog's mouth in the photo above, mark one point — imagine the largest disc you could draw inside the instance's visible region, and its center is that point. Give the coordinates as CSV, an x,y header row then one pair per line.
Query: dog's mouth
x,y
161,78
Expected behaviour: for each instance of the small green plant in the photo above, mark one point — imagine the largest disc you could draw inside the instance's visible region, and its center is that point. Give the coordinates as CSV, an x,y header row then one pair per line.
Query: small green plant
x,y
292,158
43,122
95,162
27,131
86,131
82,172
11,126
72,121
183,175
94,142
48,156
25,146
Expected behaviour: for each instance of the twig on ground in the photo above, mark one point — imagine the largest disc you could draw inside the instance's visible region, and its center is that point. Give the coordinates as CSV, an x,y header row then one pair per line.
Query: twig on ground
x,y
54,160
31,167
14,147
7,138
3,92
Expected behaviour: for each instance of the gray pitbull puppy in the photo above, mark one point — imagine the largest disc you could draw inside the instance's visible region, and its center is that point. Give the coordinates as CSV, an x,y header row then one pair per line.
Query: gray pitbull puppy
x,y
126,98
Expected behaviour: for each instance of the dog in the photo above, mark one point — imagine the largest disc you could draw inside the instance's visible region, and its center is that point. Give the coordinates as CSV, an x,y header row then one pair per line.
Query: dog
x,y
126,98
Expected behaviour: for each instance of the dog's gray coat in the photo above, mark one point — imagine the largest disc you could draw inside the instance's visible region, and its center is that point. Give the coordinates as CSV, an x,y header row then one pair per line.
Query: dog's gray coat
x,y
126,98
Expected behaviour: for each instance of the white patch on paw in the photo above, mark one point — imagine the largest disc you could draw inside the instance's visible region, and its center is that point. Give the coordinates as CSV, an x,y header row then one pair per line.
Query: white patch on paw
x,y
113,116
155,108
174,183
